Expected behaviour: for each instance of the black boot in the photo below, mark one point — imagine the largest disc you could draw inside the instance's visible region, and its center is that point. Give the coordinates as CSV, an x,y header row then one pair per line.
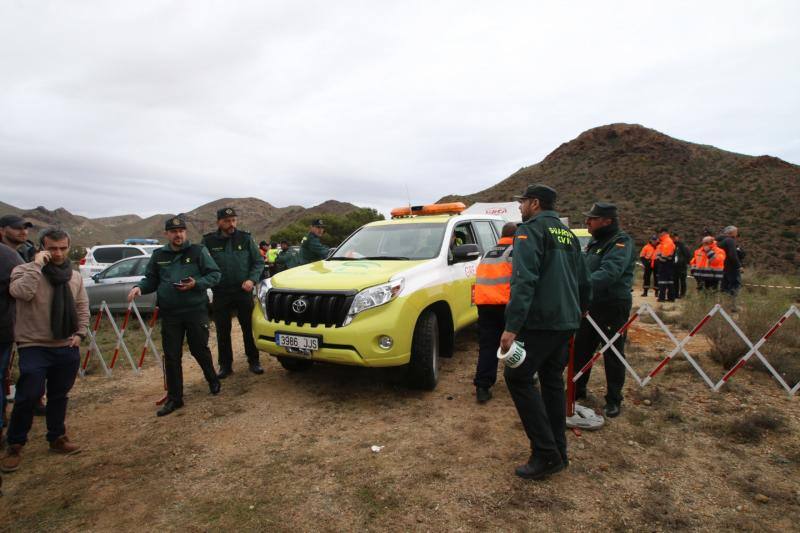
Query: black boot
x,y
483,394
255,368
168,407
215,386
224,372
540,467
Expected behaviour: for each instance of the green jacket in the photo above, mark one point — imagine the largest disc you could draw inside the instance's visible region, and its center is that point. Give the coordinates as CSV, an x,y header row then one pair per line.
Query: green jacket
x,y
550,285
167,266
312,249
238,259
611,259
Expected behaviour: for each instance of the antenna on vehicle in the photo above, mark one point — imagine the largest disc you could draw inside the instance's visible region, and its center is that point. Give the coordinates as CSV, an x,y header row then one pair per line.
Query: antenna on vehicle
x,y
408,195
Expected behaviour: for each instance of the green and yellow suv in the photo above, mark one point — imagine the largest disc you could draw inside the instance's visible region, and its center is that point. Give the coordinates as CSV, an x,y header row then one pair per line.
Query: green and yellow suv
x,y
394,293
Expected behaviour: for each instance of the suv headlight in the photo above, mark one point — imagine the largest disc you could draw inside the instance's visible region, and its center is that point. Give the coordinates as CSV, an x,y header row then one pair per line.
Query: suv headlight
x,y
373,297
263,289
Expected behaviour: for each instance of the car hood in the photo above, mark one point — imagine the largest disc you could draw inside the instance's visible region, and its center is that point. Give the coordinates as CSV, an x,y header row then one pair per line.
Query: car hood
x,y
341,275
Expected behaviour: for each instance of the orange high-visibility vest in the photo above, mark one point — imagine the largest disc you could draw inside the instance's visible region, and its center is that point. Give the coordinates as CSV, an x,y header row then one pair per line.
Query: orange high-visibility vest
x,y
493,283
665,251
708,264
647,251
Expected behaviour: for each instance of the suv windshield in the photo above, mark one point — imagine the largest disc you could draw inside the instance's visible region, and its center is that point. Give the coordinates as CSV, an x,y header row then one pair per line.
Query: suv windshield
x,y
411,241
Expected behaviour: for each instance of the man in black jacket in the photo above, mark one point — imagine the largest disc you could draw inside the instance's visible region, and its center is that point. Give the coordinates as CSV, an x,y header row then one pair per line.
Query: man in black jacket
x,y
732,273
682,257
610,258
9,258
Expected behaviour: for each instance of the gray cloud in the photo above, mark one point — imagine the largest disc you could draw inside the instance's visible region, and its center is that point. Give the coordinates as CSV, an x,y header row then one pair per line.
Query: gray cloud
x,y
158,107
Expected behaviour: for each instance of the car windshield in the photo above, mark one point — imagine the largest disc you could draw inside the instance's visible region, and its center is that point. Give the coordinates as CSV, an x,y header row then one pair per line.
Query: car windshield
x,y
411,241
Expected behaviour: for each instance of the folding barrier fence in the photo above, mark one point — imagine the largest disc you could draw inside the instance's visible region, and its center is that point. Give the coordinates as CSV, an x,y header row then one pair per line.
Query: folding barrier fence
x,y
119,333
680,348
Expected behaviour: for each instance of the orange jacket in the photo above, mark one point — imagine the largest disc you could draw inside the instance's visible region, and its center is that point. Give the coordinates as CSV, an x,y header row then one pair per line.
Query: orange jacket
x,y
708,264
648,251
493,283
665,251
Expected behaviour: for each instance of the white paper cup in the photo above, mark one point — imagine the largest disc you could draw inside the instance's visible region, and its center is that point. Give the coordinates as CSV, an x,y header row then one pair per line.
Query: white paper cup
x,y
514,356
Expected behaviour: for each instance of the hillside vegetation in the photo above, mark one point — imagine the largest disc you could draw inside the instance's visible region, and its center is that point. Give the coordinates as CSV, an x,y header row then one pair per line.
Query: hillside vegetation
x,y
657,180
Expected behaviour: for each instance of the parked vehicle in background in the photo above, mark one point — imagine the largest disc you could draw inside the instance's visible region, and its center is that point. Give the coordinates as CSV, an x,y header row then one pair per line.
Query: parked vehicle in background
x,y
114,283
100,257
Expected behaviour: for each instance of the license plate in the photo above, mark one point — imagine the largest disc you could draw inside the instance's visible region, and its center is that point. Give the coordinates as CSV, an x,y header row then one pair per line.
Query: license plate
x,y
297,342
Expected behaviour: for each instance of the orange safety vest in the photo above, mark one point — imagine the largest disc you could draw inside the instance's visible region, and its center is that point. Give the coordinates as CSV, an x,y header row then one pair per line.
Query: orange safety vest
x,y
493,283
665,251
708,264
647,251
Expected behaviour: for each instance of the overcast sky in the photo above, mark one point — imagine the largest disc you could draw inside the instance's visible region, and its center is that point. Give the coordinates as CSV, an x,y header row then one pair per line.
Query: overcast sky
x,y
154,106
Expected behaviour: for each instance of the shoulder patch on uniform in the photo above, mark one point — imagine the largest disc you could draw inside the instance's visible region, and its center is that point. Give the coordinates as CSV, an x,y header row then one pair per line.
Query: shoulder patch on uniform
x,y
522,236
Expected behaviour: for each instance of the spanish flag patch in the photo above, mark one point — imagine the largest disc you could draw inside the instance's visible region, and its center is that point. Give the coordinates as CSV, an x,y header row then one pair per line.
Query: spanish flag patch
x,y
522,237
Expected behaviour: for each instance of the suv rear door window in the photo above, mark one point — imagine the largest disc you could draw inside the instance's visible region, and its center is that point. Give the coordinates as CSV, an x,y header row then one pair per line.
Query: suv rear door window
x,y
486,235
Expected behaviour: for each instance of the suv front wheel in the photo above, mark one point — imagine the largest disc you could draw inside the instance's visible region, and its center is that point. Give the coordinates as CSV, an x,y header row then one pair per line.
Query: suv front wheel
x,y
423,369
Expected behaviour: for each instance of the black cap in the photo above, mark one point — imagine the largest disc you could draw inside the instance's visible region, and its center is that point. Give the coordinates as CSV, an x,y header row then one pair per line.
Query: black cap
x,y
175,223
317,222
263,243
537,190
14,221
602,210
226,212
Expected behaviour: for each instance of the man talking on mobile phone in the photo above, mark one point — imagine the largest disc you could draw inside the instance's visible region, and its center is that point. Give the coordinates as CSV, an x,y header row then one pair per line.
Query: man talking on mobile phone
x,y
52,314
181,273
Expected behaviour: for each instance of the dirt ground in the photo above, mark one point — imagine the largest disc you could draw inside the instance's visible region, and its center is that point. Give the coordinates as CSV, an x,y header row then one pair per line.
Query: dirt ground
x,y
292,452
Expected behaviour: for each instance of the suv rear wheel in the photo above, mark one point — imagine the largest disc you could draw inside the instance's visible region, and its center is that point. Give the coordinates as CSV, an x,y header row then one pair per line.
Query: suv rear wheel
x,y
293,364
423,369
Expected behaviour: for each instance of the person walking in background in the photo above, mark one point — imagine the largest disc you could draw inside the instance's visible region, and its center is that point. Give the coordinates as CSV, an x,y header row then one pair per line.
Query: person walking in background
x,y
181,273
52,317
665,266
682,257
611,260
492,291
550,288
9,259
235,253
647,256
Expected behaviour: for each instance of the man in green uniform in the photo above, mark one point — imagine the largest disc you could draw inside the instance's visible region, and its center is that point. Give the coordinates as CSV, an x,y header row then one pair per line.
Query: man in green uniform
x,y
550,288
611,259
312,249
284,259
241,264
181,273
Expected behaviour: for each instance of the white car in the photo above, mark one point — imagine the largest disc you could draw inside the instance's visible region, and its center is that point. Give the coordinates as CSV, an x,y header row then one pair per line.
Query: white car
x,y
100,257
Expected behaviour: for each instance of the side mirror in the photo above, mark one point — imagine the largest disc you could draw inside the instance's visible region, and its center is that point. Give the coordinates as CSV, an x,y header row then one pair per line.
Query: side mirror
x,y
96,278
466,252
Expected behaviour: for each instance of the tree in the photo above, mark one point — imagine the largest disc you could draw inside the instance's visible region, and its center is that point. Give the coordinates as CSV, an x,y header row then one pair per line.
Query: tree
x,y
337,227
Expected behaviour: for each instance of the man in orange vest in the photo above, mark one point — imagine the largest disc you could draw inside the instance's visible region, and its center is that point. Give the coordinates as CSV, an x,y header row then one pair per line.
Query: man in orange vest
x,y
665,266
708,264
646,256
492,291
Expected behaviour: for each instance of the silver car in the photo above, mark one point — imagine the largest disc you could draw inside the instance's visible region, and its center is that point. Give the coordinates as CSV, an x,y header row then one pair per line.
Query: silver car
x,y
115,282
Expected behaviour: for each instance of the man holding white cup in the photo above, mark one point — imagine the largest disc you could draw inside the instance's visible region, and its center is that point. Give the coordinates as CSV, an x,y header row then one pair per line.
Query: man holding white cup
x,y
550,289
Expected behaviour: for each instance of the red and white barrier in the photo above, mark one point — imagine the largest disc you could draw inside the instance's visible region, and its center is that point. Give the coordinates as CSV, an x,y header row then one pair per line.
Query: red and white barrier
x,y
680,348
94,349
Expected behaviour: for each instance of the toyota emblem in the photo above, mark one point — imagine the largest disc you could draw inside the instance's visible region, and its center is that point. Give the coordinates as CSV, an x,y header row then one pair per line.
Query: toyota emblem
x,y
299,306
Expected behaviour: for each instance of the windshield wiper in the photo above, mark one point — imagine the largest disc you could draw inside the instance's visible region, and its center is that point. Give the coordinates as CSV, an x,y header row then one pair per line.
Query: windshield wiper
x,y
387,258
342,258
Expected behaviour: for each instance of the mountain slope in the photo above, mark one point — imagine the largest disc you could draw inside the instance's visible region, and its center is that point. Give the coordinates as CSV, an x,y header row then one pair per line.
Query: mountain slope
x,y
657,180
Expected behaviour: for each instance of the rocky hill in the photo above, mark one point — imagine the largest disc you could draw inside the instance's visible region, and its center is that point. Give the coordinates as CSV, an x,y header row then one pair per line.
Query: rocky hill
x,y
257,216
658,180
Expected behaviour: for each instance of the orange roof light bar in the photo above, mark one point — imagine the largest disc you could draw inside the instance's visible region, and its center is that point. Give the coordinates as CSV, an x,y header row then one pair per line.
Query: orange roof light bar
x,y
452,208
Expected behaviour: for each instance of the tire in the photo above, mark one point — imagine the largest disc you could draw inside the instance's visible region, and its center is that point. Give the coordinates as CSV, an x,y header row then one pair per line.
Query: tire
x,y
423,369
292,364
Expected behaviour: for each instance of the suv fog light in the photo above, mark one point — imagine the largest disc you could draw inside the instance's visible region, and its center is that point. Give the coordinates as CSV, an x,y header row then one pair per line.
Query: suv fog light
x,y
385,342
